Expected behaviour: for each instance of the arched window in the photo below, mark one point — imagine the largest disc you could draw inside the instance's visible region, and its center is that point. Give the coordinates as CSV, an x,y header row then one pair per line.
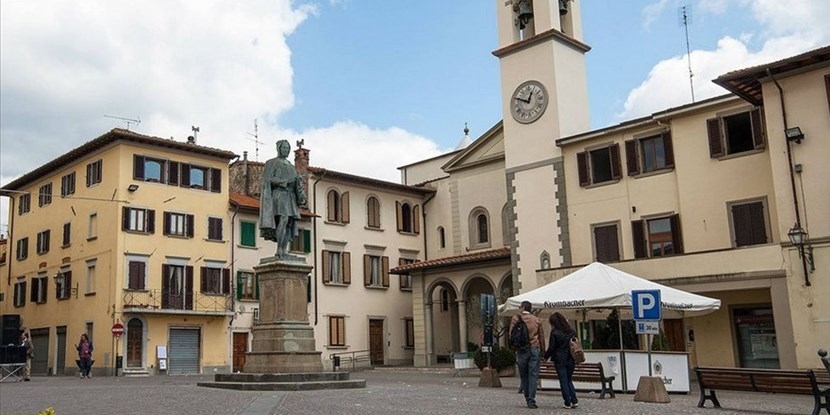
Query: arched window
x,y
406,217
483,229
479,225
442,243
373,212
544,260
337,207
408,220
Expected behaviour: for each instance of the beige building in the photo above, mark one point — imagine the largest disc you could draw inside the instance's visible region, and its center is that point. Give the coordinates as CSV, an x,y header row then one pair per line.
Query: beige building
x,y
125,229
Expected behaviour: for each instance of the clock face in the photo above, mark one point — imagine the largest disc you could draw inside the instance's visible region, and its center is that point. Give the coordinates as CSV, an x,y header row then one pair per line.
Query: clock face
x,y
528,102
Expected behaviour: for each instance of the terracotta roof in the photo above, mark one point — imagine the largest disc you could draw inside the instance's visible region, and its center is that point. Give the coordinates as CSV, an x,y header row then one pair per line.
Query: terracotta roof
x,y
252,203
108,138
745,82
368,181
491,255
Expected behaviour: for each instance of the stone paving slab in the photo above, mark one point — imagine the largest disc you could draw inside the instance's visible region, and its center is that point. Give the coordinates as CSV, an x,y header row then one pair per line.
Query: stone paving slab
x,y
386,392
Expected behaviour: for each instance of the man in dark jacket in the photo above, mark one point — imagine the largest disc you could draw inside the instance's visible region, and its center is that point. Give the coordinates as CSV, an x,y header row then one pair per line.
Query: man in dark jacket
x,y
529,357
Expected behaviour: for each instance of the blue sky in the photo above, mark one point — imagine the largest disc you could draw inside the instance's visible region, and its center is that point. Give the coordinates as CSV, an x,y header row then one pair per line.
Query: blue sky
x,y
368,85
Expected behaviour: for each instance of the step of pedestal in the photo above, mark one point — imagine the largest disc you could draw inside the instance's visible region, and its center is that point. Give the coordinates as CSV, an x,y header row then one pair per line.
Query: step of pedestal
x,y
282,377
287,386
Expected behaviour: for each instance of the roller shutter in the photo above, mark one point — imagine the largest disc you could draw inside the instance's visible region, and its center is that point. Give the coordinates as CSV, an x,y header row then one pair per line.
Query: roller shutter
x,y
184,351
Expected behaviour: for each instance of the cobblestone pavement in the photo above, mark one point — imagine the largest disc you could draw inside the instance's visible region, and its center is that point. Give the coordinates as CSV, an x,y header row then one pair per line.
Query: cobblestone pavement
x,y
387,392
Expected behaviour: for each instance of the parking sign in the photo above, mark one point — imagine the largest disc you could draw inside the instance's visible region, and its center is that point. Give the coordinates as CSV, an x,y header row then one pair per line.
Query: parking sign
x,y
646,305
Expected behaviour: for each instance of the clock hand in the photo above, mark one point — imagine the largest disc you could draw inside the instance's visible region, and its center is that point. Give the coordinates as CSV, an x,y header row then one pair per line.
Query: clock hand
x,y
526,101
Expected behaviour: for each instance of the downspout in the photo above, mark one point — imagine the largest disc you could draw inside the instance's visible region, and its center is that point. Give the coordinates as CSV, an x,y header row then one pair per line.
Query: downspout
x,y
792,175
9,243
314,237
233,261
424,217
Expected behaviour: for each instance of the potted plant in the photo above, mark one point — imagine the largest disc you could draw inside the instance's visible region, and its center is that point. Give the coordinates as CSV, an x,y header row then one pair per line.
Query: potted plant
x,y
501,358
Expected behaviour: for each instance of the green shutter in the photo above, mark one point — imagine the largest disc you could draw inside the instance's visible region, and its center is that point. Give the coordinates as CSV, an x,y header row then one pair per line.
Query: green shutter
x,y
248,237
306,240
238,285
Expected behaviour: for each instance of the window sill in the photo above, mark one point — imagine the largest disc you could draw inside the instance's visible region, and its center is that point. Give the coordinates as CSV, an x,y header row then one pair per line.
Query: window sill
x,y
89,294
601,184
406,289
369,228
136,232
408,233
169,235
66,246
248,300
741,154
91,238
336,284
376,287
137,290
334,223
656,172
337,347
216,294
408,347
220,241
247,247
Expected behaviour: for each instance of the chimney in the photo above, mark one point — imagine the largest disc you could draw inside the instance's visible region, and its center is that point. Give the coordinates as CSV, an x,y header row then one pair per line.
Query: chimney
x,y
245,172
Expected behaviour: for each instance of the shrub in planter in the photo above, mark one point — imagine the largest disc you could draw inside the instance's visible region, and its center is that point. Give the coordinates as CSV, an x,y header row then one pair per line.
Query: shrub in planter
x,y
500,358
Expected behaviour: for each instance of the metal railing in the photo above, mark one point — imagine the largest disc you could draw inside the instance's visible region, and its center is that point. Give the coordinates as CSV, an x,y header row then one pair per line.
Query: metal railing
x,y
169,301
339,359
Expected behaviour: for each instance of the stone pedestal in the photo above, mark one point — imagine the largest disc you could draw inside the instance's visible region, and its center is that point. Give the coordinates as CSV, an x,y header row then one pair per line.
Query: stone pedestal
x,y
651,389
489,378
283,340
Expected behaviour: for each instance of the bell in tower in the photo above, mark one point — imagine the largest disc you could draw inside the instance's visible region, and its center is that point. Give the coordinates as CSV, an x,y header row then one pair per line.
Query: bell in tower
x,y
563,7
524,12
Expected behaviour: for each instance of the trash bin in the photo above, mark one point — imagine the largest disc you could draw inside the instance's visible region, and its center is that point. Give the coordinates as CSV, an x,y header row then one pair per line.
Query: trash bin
x,y
462,360
336,360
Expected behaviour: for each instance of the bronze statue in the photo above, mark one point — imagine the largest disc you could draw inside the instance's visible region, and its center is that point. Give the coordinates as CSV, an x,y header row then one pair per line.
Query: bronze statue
x,y
282,196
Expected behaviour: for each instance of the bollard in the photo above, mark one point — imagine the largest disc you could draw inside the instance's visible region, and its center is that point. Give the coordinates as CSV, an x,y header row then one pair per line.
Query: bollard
x,y
824,359
336,362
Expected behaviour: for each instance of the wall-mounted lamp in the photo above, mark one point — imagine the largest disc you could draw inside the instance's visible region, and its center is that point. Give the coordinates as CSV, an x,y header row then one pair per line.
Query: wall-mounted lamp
x,y
132,188
62,286
794,134
800,239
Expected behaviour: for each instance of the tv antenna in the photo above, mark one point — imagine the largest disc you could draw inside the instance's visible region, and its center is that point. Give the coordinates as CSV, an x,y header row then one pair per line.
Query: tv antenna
x,y
195,132
126,120
255,139
685,19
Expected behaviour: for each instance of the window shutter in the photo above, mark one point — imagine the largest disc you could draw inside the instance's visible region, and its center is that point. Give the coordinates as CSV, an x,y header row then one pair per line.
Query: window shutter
x,y
166,223
676,236
138,167
89,173
33,293
715,139
384,267
416,219
173,173
399,215
188,225
99,166
607,246
331,206
668,149
47,236
742,225
306,240
68,281
216,180
757,128
582,168
203,285
188,294
67,230
185,175
344,207
616,169
367,270
346,262
639,239
45,288
326,272
402,278
226,281
165,284
238,285
151,221
248,233
125,219
631,162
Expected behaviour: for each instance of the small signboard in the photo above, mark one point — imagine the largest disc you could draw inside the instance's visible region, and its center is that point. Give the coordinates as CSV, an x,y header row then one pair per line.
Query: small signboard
x,y
117,329
648,327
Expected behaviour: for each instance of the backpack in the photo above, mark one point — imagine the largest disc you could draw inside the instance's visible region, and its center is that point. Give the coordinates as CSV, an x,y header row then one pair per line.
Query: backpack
x,y
576,350
519,336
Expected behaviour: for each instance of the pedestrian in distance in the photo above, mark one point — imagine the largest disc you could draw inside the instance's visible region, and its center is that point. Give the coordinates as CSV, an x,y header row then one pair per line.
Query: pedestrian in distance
x,y
26,342
84,348
559,351
529,356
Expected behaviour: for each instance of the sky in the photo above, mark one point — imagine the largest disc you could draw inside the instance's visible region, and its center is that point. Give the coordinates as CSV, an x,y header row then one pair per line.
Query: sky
x,y
368,85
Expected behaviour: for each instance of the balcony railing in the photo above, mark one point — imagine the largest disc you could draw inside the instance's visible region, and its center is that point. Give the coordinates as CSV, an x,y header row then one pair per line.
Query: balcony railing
x,y
170,302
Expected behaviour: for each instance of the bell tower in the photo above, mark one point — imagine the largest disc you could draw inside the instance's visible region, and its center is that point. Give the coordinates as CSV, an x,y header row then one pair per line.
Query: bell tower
x,y
544,97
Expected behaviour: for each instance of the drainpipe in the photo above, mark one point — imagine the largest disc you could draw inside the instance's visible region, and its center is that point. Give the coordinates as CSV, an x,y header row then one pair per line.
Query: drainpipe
x,y
314,228
792,175
233,261
424,220
9,243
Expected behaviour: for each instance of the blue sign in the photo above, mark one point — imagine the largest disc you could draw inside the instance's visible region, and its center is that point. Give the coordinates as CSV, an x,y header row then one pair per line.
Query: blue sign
x,y
646,305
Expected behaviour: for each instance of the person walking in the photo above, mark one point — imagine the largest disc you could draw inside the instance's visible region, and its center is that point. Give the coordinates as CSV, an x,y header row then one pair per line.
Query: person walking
x,y
26,342
529,357
559,350
84,348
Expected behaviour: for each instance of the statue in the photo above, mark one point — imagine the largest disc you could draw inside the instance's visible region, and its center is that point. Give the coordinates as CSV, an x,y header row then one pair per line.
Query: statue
x,y
281,198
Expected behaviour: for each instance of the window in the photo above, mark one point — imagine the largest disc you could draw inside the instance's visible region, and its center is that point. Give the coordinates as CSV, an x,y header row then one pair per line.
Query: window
x,y
176,285
214,229
90,276
67,234
149,169
177,224
215,280
93,173
505,225
337,207
735,133
22,249
749,223
408,218
406,279
92,231
197,177
68,184
24,204
479,227
20,293
247,233
247,287
599,166
442,242
657,237
337,331
301,242
44,195
336,267
139,220
606,243
445,299
373,213
43,242
409,333
650,153
137,274
38,294
63,290
375,271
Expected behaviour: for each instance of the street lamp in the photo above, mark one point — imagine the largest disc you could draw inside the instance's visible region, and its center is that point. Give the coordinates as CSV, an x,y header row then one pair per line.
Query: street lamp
x,y
61,286
799,239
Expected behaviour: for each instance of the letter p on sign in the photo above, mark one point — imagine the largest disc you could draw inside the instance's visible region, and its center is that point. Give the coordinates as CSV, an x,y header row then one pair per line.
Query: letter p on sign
x,y
646,304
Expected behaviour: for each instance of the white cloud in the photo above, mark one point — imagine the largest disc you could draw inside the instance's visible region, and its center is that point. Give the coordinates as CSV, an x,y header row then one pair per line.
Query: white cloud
x,y
652,12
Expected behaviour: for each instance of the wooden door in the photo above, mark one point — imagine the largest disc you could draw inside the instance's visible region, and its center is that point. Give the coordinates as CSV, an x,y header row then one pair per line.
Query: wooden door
x,y
240,347
135,343
376,345
673,328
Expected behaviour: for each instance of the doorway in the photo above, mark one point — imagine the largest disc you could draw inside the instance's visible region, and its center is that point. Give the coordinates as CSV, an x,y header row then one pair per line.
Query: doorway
x,y
376,341
240,347
135,343
756,339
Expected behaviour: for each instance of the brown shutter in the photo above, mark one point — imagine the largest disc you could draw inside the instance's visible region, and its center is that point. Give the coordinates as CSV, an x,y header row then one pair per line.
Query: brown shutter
x,y
616,169
582,168
344,208
173,173
367,270
384,269
715,139
151,221
325,261
185,175
89,173
138,167
402,278
399,215
827,86
639,238
676,236
188,226
759,226
226,281
757,128
331,206
631,162
216,180
188,294
346,261
668,149
741,224
99,170
165,285
165,223
203,284
125,219
416,219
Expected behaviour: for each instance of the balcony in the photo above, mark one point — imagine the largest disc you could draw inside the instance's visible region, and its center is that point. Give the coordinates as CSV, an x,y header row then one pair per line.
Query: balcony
x,y
167,302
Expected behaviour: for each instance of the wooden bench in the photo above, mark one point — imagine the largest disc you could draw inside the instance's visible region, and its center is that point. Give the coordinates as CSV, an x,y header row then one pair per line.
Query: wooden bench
x,y
584,372
801,382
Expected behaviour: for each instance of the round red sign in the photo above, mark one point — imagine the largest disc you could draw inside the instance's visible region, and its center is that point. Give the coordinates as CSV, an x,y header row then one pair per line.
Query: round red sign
x,y
117,329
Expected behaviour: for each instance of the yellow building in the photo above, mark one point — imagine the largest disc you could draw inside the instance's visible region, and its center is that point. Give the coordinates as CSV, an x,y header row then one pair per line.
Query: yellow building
x,y
125,229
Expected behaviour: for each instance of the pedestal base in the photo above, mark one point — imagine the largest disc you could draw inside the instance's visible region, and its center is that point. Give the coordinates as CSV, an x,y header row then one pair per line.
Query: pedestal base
x,y
651,389
283,362
489,378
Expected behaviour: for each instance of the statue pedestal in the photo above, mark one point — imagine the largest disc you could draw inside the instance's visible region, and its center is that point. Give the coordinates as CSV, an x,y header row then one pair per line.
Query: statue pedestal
x,y
283,340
